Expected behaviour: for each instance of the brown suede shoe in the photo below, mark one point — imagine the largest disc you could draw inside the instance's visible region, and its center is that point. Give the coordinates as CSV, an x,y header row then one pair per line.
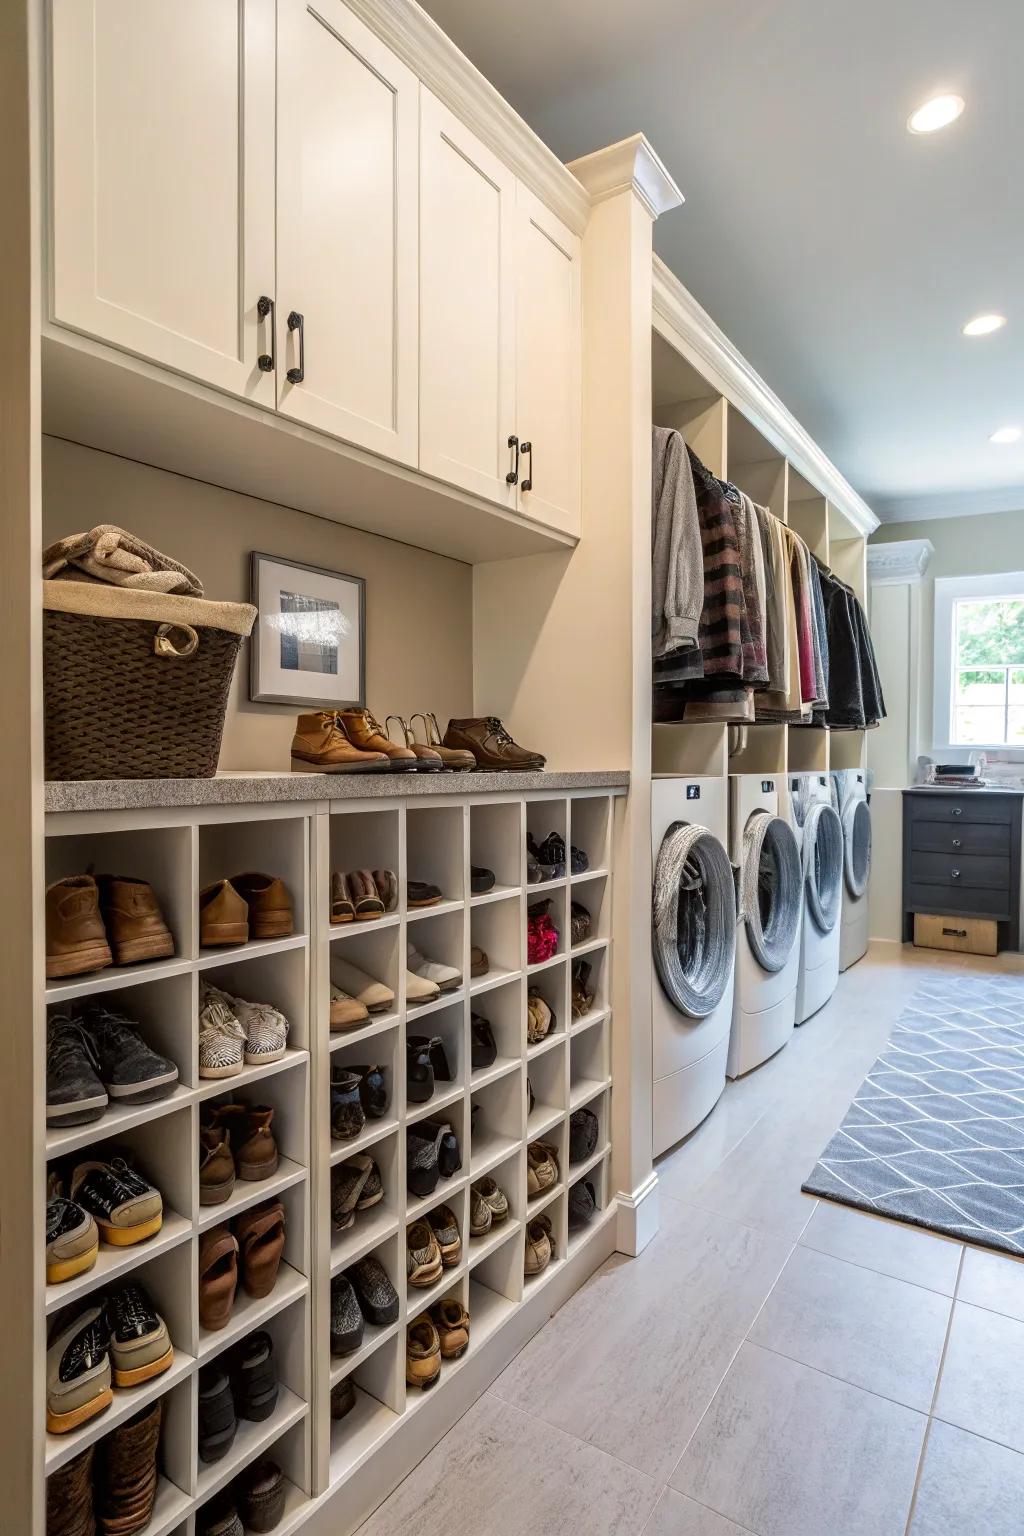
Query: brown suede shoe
x,y
223,916
491,745
216,1165
250,1138
135,925
366,733
127,1480
76,940
69,1497
322,745
270,906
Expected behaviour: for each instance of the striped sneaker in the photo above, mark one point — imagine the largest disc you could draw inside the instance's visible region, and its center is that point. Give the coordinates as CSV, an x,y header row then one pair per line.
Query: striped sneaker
x,y
221,1036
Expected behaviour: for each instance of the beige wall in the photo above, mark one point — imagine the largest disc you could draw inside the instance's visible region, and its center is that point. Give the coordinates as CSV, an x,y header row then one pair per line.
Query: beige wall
x,y
964,546
419,607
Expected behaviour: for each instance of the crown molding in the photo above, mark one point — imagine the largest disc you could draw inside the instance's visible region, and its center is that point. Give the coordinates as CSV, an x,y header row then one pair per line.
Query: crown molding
x,y
419,42
897,564
690,329
631,163
922,509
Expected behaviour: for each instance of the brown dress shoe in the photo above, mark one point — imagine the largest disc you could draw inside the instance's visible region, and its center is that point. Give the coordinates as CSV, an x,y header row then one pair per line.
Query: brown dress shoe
x,y
321,745
127,1481
270,906
69,1498
76,940
365,732
260,1233
250,1138
135,925
491,745
223,916
216,1165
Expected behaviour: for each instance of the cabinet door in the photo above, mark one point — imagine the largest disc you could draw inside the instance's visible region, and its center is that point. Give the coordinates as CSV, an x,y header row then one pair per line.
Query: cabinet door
x,y
347,137
467,302
548,365
163,181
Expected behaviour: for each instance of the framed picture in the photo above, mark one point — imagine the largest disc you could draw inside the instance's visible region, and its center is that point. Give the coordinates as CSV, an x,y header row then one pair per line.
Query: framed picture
x,y
308,643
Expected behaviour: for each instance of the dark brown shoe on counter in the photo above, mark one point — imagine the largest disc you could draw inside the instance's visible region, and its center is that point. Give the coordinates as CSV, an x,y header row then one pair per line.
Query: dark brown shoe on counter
x,y
270,906
491,745
366,733
135,925
69,1498
76,940
126,1486
322,745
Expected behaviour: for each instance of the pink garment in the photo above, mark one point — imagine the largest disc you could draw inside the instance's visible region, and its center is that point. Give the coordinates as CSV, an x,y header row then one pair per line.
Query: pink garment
x,y
804,621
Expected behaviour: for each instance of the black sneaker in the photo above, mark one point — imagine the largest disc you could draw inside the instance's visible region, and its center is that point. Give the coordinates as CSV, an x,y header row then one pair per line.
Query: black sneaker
x,y
125,1206
254,1377
74,1093
541,859
217,1422
72,1241
140,1345
551,854
481,879
78,1385
130,1071
346,1318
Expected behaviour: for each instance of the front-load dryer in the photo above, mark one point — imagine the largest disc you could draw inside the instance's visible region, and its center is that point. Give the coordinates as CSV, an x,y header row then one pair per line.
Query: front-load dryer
x,y
764,852
851,801
693,934
807,802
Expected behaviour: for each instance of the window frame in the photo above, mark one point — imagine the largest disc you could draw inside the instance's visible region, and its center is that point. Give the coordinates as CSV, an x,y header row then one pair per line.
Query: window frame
x,y
949,590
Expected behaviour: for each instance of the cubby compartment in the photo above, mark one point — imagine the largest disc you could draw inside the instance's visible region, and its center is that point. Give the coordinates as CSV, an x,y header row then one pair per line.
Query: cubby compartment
x,y
434,853
808,749
456,1205
597,1178
439,938
373,1225
379,1383
755,463
495,1289
384,1051
496,843
807,514
593,894
546,1076
497,928
597,1103
454,1116
287,1094
553,905
366,953
291,1284
502,1009
759,748
588,979
590,831
361,840
161,1151
456,1289
589,1064
551,1211
447,1026
390,1254
280,979
496,1113
273,845
549,983
509,1175
542,818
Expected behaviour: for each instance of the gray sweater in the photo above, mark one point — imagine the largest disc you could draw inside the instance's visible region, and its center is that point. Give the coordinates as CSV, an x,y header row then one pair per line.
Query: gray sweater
x,y
677,557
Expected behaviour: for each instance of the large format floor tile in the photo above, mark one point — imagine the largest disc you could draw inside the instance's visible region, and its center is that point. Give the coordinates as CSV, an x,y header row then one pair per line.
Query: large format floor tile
x,y
993,1280
889,1247
968,1484
865,1328
679,1516
631,1362
526,1477
982,1385
786,1451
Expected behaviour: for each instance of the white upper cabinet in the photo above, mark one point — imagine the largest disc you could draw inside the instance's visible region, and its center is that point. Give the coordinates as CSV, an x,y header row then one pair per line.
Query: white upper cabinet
x,y
347,165
163,182
548,366
467,308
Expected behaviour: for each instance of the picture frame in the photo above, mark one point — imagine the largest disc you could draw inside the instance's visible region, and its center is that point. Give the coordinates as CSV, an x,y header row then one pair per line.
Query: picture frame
x,y
308,645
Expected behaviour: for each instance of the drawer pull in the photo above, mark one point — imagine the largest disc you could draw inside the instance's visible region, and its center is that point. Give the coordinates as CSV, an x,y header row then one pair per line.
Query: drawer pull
x,y
955,874
954,933
957,810
956,842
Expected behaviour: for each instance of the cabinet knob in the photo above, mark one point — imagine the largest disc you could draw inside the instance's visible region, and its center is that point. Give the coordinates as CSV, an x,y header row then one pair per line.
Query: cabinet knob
x,y
957,811
956,842
955,874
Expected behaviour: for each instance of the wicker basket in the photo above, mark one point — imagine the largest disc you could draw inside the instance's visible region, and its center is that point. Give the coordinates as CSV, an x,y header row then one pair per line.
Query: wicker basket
x,y
136,683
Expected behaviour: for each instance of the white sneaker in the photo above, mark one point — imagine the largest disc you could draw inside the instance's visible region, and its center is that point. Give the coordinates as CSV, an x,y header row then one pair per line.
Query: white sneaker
x,y
266,1030
447,977
221,1036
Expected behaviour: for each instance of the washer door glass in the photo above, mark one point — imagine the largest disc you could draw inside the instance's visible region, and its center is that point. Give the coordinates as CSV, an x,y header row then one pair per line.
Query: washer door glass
x,y
694,919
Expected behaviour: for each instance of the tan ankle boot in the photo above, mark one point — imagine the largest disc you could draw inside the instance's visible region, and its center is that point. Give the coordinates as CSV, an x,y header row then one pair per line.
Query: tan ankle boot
x,y
366,733
321,745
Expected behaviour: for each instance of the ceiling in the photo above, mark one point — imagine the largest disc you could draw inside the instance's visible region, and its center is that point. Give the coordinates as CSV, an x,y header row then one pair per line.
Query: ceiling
x,y
838,252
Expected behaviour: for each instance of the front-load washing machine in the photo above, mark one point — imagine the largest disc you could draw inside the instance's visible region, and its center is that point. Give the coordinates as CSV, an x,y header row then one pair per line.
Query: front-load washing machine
x,y
764,852
850,799
693,935
807,805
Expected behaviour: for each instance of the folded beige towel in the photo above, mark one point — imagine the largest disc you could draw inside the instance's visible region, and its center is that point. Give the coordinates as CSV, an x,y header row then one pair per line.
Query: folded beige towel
x,y
114,556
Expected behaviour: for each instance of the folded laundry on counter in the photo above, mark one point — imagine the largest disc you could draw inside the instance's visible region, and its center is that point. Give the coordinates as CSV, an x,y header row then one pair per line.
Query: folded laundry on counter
x,y
113,555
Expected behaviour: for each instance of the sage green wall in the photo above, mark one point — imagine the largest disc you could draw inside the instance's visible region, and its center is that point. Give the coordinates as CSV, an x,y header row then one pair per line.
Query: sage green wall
x,y
964,546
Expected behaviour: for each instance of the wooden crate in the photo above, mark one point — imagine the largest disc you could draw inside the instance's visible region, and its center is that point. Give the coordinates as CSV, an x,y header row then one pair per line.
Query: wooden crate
x,y
968,935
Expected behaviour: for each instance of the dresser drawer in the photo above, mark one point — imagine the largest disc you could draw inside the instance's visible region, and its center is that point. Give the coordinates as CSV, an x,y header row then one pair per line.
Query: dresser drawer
x,y
966,901
977,870
931,805
961,837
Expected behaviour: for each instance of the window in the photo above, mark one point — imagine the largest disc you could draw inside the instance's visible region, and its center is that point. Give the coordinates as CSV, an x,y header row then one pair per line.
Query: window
x,y
979,661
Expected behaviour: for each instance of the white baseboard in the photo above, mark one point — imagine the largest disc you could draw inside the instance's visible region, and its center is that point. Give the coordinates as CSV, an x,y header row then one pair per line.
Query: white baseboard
x,y
638,1217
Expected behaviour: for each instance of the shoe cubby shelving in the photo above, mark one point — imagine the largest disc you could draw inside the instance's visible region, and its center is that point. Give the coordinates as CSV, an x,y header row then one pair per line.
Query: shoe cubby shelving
x,y
178,851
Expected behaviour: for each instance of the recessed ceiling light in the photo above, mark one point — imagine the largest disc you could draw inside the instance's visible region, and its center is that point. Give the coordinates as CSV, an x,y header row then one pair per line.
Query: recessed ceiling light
x,y
937,113
1006,435
984,325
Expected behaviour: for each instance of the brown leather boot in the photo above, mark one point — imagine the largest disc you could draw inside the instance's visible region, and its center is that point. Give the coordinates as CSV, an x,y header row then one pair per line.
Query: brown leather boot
x,y
135,924
491,745
366,733
216,1165
69,1498
126,1486
252,1143
321,745
223,916
76,940
270,906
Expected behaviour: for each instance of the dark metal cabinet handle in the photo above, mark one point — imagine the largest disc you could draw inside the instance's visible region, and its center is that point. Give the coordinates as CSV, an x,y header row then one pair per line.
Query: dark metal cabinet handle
x,y
955,873
513,475
265,307
527,484
957,811
296,322
956,842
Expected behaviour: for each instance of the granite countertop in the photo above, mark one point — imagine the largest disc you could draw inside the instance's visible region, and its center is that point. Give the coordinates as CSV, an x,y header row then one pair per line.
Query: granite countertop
x,y
273,788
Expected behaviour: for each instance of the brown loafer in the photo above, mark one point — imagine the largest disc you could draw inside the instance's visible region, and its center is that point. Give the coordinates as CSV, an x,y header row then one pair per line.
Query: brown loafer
x,y
218,1276
76,940
223,916
133,920
260,1234
270,906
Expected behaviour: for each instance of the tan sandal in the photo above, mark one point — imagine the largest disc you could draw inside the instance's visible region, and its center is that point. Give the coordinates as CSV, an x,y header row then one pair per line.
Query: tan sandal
x,y
218,1276
260,1235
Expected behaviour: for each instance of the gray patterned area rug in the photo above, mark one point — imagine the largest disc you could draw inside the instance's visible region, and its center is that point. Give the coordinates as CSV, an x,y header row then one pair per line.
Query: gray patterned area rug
x,y
935,1135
